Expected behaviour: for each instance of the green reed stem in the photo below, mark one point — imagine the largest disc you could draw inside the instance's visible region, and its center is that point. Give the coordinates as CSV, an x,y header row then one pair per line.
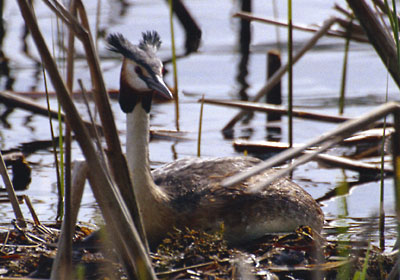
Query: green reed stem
x,y
60,38
200,127
175,71
60,189
344,70
394,23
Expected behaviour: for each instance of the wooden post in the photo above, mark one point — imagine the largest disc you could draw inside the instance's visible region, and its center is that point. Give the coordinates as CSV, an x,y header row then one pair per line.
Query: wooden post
x,y
274,96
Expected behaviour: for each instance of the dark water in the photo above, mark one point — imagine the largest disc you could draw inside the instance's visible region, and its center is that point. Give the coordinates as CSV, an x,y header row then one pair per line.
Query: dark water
x,y
212,71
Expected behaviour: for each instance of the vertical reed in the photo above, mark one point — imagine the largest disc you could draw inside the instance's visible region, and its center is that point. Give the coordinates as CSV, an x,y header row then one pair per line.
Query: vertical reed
x,y
382,180
60,189
200,127
290,74
344,69
175,71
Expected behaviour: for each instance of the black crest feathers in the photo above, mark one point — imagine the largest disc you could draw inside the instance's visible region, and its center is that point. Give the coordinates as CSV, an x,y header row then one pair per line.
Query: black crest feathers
x,y
151,39
119,44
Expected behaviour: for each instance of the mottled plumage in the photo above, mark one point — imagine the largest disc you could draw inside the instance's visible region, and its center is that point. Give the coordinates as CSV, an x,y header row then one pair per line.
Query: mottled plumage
x,y
195,194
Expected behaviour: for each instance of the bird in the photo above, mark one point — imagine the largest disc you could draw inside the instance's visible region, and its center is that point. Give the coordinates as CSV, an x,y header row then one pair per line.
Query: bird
x,y
187,193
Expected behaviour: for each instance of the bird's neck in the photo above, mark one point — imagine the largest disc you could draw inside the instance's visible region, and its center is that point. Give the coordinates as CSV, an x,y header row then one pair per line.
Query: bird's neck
x,y
151,198
137,150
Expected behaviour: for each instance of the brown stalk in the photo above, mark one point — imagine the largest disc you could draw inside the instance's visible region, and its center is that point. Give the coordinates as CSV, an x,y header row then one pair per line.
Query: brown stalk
x,y
115,155
117,217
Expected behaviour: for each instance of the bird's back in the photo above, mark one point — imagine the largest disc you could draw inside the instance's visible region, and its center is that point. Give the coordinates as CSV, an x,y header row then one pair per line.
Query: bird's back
x,y
198,199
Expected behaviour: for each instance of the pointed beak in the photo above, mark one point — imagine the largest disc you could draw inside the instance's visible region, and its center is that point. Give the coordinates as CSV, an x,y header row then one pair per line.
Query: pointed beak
x,y
160,87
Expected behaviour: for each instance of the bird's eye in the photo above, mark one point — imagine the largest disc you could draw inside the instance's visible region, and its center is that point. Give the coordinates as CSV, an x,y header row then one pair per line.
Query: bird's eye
x,y
138,70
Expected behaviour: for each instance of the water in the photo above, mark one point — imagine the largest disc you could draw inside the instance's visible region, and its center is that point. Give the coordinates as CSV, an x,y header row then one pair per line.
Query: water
x,y
212,72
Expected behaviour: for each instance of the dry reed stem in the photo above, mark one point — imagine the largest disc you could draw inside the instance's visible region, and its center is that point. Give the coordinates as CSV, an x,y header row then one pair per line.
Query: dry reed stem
x,y
11,193
115,212
277,109
31,106
327,140
115,155
336,161
279,74
332,33
60,268
32,210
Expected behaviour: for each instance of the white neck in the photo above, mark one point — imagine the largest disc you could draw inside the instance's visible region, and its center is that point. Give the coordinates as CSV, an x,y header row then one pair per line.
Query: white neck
x,y
150,197
137,150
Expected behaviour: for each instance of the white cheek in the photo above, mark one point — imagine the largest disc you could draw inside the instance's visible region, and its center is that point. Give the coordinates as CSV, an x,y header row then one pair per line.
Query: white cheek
x,y
133,79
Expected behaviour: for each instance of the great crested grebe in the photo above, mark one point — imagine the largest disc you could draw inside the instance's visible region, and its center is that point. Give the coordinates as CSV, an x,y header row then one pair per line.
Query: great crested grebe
x,y
187,192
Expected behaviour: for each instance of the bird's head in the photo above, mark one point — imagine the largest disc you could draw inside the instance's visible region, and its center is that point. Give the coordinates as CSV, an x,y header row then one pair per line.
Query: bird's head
x,y
141,73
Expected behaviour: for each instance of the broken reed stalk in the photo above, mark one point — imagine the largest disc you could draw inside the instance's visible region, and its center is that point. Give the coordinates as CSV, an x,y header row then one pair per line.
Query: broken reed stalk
x,y
332,33
276,109
11,193
116,158
115,212
175,70
26,104
327,140
275,79
32,210
62,266
378,36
